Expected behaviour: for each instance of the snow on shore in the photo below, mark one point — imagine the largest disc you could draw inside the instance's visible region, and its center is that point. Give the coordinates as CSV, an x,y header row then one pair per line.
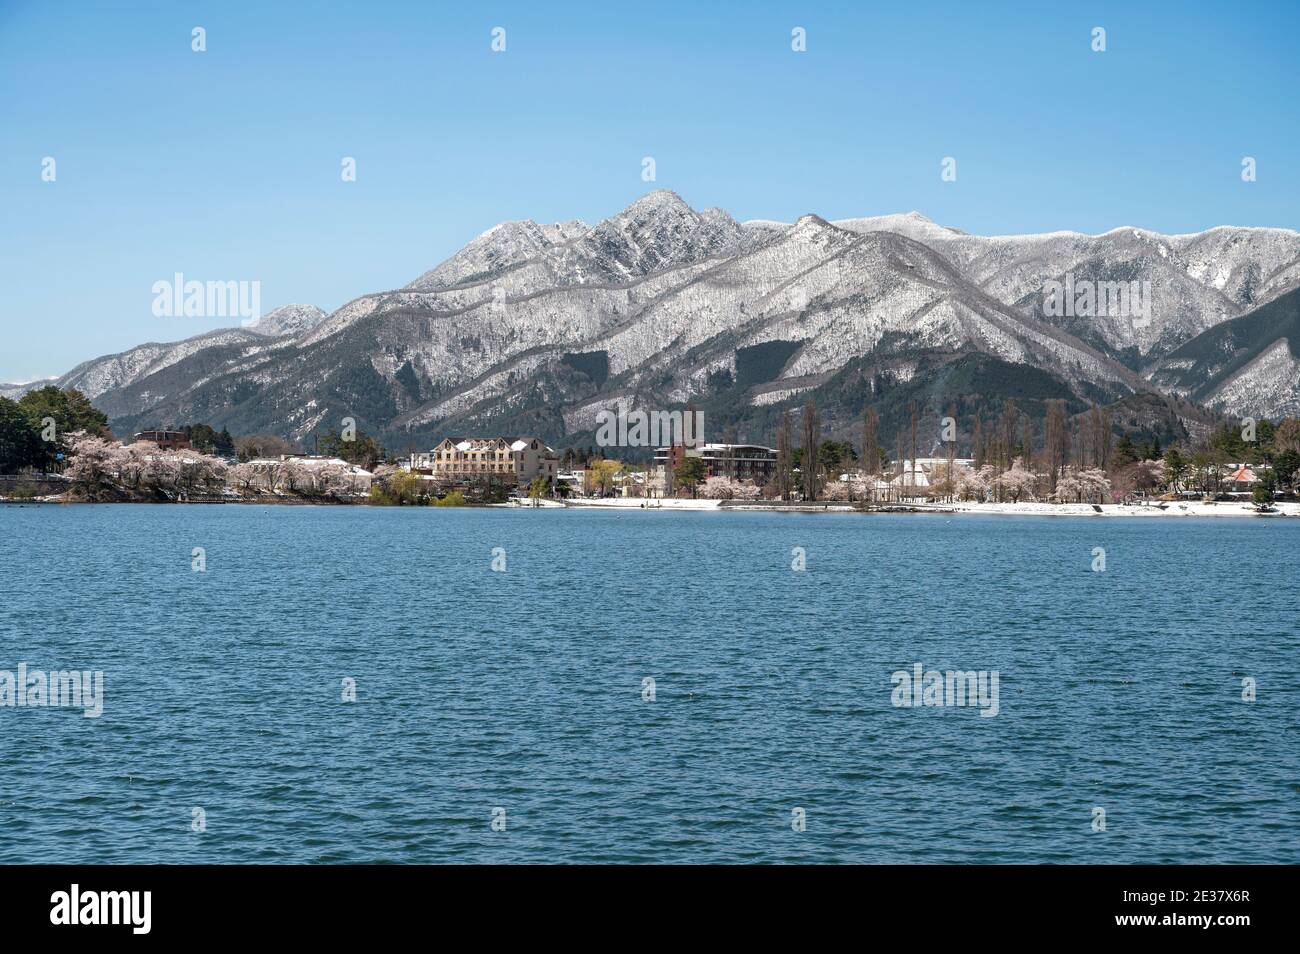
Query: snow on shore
x,y
636,503
1189,508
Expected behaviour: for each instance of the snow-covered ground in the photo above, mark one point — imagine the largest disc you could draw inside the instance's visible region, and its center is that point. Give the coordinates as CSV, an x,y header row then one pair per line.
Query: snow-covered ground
x,y
638,503
1174,509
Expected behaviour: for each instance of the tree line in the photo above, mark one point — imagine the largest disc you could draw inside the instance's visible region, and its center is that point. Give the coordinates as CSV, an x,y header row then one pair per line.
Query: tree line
x,y
33,429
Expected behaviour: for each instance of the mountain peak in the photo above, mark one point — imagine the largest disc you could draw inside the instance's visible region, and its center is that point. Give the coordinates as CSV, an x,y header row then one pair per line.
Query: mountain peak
x,y
661,205
658,230
660,199
501,247
812,218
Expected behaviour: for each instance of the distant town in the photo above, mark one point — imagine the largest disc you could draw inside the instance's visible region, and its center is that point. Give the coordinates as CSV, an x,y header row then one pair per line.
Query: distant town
x,y
56,447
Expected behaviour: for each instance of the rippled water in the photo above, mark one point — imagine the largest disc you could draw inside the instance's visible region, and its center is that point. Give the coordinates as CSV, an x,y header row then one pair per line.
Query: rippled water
x,y
522,689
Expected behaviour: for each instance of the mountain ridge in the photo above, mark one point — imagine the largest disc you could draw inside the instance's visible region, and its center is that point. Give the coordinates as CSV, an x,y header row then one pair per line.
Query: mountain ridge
x,y
670,303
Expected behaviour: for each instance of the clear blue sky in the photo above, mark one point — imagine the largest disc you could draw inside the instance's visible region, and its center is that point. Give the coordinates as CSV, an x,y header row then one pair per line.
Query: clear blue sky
x,y
225,165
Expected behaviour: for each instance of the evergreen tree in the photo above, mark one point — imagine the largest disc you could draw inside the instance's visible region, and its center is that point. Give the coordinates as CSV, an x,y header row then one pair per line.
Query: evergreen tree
x,y
689,473
20,441
1125,452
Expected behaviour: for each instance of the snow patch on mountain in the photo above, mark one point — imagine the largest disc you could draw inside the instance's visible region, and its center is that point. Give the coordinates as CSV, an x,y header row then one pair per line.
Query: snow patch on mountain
x,y
914,225
288,320
96,377
501,247
1267,387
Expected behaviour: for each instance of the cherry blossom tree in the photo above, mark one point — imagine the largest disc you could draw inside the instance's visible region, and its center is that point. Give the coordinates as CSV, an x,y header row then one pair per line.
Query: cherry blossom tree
x,y
162,473
199,472
1096,485
1016,483
95,463
973,484
289,476
1080,486
135,463
836,490
719,488
727,488
861,485
242,477
336,480
716,488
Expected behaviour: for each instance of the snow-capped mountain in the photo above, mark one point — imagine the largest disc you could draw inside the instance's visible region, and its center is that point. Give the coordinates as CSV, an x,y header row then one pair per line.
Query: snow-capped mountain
x,y
537,327
1246,367
15,390
111,372
1198,280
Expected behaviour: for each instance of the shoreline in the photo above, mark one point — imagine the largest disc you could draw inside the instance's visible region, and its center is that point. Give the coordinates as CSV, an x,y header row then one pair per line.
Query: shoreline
x,y
1171,509
1025,509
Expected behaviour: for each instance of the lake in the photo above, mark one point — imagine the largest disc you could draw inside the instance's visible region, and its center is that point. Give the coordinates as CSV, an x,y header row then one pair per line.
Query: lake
x,y
504,715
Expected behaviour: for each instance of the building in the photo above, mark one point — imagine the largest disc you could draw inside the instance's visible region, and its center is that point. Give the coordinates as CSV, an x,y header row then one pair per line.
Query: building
x,y
466,459
913,477
576,479
630,483
166,440
1242,477
751,462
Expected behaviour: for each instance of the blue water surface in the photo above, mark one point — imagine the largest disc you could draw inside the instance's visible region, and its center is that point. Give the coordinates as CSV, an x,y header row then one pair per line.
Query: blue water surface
x,y
522,690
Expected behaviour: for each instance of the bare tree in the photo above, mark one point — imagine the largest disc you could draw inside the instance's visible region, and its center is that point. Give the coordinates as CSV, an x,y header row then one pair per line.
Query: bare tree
x,y
871,441
729,455
265,446
1107,438
900,455
911,438
1099,437
952,451
812,433
784,455
1056,438
1007,433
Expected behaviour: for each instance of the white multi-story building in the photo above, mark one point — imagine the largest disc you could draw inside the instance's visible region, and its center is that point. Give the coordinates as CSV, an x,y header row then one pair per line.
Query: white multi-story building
x,y
464,459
